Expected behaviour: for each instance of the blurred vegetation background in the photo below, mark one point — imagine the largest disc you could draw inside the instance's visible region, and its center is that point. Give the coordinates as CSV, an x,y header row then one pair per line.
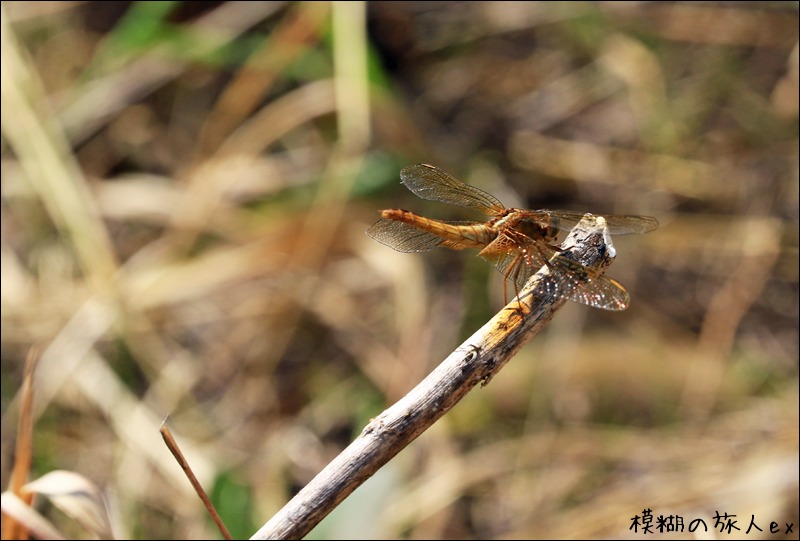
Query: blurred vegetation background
x,y
185,190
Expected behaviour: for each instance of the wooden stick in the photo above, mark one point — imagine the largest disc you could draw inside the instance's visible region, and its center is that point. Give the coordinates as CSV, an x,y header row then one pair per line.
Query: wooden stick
x,y
476,361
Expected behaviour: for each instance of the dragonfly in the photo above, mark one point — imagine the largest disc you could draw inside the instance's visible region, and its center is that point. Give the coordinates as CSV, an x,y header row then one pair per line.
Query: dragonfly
x,y
517,242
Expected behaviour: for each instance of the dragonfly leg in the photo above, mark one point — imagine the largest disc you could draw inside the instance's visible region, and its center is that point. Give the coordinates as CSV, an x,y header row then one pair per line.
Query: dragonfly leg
x,y
512,274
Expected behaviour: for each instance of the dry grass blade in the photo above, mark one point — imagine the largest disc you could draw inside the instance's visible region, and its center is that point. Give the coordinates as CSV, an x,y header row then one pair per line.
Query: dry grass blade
x,y
78,497
92,106
73,493
49,165
475,362
24,447
176,452
22,514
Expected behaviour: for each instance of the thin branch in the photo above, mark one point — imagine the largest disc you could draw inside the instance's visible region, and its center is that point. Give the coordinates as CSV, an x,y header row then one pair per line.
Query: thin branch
x,y
476,361
172,445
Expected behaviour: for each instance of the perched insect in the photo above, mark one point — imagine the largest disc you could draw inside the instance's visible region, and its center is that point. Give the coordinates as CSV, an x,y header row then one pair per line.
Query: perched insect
x,y
517,242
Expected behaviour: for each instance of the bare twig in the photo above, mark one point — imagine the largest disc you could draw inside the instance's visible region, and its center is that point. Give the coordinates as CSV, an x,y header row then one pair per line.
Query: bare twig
x,y
166,434
476,361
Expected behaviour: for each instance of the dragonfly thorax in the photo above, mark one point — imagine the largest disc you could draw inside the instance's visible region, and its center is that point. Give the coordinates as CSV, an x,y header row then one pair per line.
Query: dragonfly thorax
x,y
533,228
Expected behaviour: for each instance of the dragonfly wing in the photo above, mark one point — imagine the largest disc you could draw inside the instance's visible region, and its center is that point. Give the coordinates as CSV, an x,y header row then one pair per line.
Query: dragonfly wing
x,y
520,257
402,237
515,255
601,292
618,224
582,284
407,238
429,182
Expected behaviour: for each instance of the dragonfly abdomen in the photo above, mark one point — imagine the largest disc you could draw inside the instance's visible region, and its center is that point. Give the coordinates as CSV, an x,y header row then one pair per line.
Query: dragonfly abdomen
x,y
461,235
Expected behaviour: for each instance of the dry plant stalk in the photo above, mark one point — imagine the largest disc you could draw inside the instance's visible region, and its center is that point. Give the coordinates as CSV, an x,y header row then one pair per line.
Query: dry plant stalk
x,y
12,529
172,445
72,493
476,361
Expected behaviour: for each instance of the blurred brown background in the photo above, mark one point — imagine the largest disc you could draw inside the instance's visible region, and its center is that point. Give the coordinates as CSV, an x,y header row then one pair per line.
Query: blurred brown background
x,y
185,190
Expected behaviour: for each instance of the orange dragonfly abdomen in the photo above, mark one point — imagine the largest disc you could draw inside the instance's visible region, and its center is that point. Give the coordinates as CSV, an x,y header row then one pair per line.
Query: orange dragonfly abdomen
x,y
453,235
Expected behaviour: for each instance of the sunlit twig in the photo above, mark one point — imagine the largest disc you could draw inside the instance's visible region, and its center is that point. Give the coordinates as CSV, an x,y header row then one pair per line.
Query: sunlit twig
x,y
476,361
